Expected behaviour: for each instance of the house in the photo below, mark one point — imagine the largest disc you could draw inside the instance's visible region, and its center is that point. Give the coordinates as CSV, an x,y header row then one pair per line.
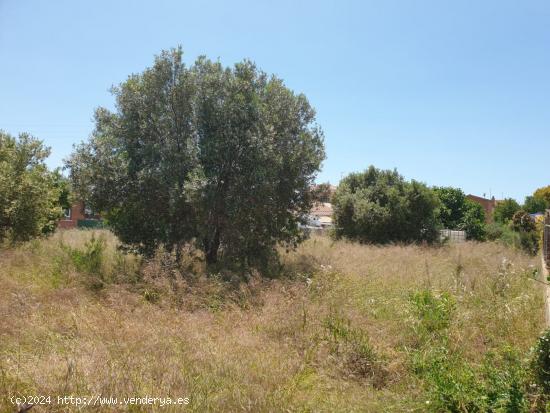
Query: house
x,y
537,217
487,204
79,216
322,212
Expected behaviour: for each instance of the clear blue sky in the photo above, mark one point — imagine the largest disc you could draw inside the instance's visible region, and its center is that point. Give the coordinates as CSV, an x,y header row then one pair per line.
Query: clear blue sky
x,y
448,92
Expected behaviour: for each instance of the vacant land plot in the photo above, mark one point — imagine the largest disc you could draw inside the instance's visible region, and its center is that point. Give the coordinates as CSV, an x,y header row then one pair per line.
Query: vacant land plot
x,y
346,328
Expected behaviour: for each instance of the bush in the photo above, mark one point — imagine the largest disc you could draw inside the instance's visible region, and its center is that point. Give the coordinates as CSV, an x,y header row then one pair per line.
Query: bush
x,y
433,311
495,231
540,363
535,204
90,260
505,210
522,222
29,192
454,384
459,213
380,206
473,221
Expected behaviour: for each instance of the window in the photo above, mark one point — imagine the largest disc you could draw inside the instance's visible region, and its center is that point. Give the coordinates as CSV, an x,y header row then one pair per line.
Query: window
x,y
67,213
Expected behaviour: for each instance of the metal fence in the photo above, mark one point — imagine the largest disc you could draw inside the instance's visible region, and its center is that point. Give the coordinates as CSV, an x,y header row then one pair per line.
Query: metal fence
x,y
546,239
452,235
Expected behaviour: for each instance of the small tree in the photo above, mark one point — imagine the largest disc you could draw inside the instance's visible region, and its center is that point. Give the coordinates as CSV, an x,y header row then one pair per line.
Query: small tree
x,y
522,222
380,206
528,236
534,204
543,193
453,206
473,221
505,210
458,212
29,192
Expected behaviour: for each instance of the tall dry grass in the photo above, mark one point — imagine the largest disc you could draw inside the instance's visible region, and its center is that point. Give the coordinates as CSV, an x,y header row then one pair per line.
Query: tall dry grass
x,y
335,333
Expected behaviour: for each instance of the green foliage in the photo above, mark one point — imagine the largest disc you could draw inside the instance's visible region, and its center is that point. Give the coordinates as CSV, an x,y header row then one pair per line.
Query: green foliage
x,y
540,364
29,192
380,206
433,311
543,193
534,204
497,385
322,192
522,222
454,384
453,206
526,228
495,231
90,224
458,212
529,242
90,259
505,210
473,221
222,156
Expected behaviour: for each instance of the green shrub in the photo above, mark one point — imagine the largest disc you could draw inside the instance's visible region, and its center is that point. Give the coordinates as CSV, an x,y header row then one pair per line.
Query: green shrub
x,y
505,210
29,191
529,242
473,221
90,259
525,241
454,385
377,206
541,363
522,222
433,311
495,231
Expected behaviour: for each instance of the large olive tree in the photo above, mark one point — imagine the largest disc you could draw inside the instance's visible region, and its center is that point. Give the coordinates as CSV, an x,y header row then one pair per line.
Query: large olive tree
x,y
222,156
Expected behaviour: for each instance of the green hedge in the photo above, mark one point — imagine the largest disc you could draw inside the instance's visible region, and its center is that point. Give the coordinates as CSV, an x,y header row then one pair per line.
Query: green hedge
x,y
90,223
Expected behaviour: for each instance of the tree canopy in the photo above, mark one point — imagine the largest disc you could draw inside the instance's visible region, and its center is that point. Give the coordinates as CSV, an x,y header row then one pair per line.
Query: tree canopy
x,y
29,192
217,155
473,221
453,206
379,206
505,210
322,192
535,204
543,193
459,213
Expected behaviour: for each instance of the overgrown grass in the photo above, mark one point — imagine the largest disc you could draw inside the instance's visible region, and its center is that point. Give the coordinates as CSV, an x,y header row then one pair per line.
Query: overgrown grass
x,y
346,328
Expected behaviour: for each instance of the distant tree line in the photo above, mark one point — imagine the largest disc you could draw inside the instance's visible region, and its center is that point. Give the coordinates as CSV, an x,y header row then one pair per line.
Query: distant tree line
x,y
225,158
380,206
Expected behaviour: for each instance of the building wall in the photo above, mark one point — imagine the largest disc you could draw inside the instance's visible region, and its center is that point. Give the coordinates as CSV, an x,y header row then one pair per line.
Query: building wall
x,y
487,204
77,212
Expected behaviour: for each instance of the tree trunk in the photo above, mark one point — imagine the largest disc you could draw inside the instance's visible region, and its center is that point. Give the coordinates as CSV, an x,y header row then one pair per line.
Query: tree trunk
x,y
211,247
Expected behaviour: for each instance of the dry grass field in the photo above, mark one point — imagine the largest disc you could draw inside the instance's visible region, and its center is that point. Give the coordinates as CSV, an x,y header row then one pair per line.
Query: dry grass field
x,y
345,328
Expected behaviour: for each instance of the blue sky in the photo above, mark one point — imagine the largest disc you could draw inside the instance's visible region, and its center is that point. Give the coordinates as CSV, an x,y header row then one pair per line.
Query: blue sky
x,y
448,92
